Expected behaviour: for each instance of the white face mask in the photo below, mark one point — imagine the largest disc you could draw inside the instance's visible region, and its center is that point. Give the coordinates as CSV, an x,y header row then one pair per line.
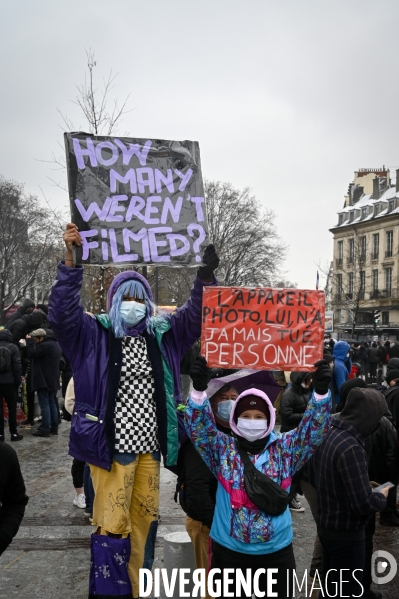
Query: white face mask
x,y
251,429
224,409
132,312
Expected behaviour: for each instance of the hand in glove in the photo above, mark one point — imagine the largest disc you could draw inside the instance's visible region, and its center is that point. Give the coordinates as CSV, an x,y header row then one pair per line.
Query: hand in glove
x,y
211,261
200,374
322,377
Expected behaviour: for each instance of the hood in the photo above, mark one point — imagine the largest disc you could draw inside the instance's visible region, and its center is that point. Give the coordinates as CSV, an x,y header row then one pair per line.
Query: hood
x,y
340,350
127,275
364,409
297,378
35,320
347,387
269,404
6,335
28,303
393,364
50,334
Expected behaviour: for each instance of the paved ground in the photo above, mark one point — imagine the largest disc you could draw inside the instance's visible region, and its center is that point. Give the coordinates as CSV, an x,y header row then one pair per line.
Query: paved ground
x,y
49,558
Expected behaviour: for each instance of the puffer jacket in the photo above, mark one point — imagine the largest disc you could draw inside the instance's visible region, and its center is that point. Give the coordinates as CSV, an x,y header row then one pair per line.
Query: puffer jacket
x,y
238,524
13,376
294,401
95,355
342,366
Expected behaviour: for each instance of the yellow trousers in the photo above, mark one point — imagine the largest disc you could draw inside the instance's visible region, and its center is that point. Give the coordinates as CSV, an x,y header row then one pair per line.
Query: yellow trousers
x,y
199,535
126,503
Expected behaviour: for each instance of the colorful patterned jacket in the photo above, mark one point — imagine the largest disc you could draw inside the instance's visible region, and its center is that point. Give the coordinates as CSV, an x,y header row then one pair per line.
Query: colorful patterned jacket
x,y
238,524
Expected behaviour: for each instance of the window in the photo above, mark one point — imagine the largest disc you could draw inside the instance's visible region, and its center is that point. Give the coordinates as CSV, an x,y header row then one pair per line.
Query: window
x,y
376,209
351,251
365,213
340,219
363,245
351,216
374,279
339,286
362,284
338,316
350,283
391,205
389,244
385,318
376,246
388,282
340,250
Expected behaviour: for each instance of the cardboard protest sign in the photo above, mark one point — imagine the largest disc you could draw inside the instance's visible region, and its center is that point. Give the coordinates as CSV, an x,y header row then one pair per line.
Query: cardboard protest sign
x,y
259,328
137,200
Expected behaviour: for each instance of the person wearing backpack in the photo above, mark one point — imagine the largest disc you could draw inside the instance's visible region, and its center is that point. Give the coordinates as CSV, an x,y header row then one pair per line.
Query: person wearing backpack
x,y
10,379
252,524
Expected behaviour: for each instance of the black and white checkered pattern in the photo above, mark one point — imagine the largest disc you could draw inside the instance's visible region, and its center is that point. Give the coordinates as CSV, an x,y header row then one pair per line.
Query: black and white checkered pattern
x,y
136,429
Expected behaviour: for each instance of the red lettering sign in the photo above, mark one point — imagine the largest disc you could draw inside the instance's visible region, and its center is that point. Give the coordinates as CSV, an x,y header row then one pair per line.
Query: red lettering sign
x,y
262,328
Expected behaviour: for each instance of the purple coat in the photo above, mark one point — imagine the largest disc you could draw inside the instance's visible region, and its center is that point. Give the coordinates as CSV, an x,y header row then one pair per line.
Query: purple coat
x,y
96,358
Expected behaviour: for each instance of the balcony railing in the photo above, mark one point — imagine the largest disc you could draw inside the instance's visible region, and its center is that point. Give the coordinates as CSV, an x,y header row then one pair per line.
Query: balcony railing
x,y
376,293
339,262
362,257
374,255
388,254
350,260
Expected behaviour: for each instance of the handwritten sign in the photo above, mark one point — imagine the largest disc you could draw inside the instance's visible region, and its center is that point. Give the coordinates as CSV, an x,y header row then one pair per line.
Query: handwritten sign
x,y
260,328
137,200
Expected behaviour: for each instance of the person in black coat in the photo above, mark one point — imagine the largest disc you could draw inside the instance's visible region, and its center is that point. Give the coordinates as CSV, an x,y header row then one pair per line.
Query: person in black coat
x,y
292,408
45,353
10,379
200,484
27,308
13,498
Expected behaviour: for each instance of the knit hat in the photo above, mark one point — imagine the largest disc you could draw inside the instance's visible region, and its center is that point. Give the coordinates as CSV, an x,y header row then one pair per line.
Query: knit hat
x,y
271,418
38,333
391,375
251,402
328,358
393,364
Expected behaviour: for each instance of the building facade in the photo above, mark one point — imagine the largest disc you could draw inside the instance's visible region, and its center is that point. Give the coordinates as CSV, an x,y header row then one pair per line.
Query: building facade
x,y
365,277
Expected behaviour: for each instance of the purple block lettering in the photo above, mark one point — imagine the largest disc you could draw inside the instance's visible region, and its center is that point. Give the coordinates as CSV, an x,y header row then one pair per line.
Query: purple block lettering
x,y
185,178
198,201
115,178
166,180
174,250
88,151
173,210
88,245
92,208
136,204
115,207
143,182
134,150
155,244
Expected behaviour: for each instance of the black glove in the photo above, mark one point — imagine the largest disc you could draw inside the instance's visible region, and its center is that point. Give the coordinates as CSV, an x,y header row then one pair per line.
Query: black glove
x,y
211,261
199,374
322,377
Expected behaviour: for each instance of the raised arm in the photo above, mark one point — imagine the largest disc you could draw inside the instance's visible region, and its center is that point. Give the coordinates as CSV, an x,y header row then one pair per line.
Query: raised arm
x,y
186,321
300,443
72,327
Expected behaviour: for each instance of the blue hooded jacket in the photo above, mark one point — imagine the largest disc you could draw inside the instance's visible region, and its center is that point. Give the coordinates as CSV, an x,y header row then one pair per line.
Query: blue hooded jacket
x,y
342,366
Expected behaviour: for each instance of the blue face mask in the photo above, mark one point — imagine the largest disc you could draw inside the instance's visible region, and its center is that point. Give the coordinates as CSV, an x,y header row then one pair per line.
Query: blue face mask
x,y
224,409
132,312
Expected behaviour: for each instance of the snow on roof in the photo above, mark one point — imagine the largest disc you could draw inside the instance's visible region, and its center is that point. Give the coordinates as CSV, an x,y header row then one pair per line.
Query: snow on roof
x,y
367,200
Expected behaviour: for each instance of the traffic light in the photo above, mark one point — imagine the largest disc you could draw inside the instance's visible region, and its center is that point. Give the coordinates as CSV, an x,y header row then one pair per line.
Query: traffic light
x,y
377,316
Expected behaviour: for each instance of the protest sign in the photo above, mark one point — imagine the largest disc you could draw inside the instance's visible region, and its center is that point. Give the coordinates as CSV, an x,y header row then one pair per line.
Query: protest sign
x,y
262,328
136,200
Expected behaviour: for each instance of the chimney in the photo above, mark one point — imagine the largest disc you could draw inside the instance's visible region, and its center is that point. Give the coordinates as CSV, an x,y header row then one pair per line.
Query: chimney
x,y
376,189
357,193
397,180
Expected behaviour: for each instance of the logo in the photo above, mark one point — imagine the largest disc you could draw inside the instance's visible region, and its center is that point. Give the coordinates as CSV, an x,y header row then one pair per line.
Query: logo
x,y
383,562
252,403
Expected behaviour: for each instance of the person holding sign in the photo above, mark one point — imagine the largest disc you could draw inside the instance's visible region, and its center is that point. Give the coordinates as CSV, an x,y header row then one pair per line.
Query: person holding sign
x,y
127,387
252,526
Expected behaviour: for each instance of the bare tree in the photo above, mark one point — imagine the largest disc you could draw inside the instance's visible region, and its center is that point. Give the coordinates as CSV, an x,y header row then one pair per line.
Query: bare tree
x,y
102,113
29,246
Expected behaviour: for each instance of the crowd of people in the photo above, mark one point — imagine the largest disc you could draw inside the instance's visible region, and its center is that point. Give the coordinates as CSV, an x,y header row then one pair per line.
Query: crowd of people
x,y
239,477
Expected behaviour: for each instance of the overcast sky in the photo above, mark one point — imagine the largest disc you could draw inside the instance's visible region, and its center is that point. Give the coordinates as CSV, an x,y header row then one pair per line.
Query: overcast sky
x,y
288,97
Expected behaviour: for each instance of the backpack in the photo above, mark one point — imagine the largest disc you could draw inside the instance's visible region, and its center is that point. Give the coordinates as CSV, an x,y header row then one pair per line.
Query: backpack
x,y
5,360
